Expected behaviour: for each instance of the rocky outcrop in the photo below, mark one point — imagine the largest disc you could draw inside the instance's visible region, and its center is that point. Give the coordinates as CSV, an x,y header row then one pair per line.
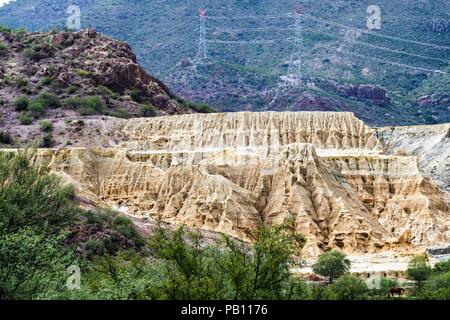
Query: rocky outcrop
x,y
377,95
72,66
431,144
324,173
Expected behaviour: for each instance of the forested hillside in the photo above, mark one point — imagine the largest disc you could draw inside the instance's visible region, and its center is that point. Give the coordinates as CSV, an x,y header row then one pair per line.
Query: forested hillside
x,y
396,75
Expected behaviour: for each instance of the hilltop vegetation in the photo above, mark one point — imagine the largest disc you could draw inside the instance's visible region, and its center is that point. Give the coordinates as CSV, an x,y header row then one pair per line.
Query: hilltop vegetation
x,y
242,76
49,76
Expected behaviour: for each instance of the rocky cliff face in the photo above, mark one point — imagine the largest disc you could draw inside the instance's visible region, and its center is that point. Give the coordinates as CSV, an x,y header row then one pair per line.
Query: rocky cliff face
x,y
325,173
431,144
64,77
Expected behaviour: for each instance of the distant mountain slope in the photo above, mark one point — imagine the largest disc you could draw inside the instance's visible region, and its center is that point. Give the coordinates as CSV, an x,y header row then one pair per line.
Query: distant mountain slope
x,y
386,77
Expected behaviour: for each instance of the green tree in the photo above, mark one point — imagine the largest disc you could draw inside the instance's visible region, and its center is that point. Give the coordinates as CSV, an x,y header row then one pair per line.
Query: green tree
x,y
437,287
349,288
126,276
32,265
34,213
263,270
419,269
31,197
231,270
441,267
189,271
332,265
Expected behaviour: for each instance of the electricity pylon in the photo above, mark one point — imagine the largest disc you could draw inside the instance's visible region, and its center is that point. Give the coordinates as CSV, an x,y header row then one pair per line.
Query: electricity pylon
x,y
202,50
295,71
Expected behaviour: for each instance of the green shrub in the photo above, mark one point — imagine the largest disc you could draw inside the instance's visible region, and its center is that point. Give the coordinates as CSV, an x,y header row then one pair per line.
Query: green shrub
x,y
47,141
348,288
35,211
21,83
121,113
437,287
88,105
34,53
125,227
104,91
46,81
94,248
198,107
5,138
22,103
72,89
83,73
93,218
202,108
441,267
3,49
46,126
148,110
25,119
49,100
37,108
137,95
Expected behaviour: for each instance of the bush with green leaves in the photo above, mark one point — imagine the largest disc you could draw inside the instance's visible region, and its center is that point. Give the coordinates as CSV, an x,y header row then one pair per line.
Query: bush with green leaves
x,y
22,103
3,49
72,89
137,95
84,73
49,100
6,138
332,264
25,119
419,269
148,111
88,105
32,197
21,83
120,113
35,210
37,108
441,267
46,81
231,271
46,126
437,287
32,264
34,53
348,287
47,141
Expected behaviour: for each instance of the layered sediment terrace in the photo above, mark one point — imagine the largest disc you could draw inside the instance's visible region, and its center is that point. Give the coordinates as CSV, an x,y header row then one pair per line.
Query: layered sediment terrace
x,y
326,173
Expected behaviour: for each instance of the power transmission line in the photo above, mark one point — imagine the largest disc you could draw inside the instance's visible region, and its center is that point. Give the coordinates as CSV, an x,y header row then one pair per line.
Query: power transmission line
x,y
250,17
378,59
224,30
296,60
202,50
250,41
381,47
376,34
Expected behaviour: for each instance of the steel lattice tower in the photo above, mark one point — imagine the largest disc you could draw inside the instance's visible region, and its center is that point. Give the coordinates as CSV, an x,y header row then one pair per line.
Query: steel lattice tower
x,y
202,50
296,61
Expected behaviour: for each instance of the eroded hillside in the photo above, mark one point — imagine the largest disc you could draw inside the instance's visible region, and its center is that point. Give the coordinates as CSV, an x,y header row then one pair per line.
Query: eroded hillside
x,y
325,173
